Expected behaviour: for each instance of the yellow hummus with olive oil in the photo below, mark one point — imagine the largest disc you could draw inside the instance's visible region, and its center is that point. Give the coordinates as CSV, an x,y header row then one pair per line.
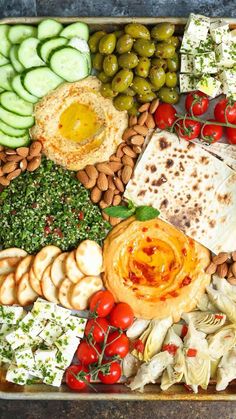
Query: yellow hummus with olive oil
x,y
154,268
77,125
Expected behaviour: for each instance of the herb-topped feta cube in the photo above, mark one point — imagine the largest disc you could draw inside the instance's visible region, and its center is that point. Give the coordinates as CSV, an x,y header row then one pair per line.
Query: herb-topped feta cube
x,y
24,358
187,82
6,353
228,80
186,65
43,310
205,63
17,375
226,54
76,325
67,341
219,31
31,325
51,332
64,359
18,338
206,46
11,314
45,356
197,26
209,85
189,44
60,315
6,329
54,377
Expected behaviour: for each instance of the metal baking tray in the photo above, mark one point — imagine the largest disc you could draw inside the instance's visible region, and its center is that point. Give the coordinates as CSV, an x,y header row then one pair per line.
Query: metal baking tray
x,y
115,391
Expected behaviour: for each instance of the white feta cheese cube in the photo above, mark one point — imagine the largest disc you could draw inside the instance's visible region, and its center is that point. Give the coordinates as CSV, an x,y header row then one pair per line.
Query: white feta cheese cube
x,y
64,359
187,83
24,358
54,377
45,356
17,375
6,329
31,325
219,31
228,80
205,63
6,353
67,341
43,310
226,54
189,44
18,338
11,314
186,65
209,85
51,332
206,46
76,325
198,26
36,372
60,315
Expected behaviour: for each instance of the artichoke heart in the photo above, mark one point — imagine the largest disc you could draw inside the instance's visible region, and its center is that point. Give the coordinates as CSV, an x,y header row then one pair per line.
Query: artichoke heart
x,y
174,372
227,370
206,322
222,341
137,328
222,285
223,303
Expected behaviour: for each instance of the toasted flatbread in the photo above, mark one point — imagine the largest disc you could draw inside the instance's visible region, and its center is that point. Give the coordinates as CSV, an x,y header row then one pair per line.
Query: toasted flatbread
x,y
83,291
12,252
49,290
43,259
89,258
58,269
64,293
72,270
35,282
8,290
8,265
23,267
25,293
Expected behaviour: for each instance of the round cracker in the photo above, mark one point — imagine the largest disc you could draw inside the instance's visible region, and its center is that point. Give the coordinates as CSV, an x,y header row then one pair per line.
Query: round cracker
x,y
25,293
64,293
43,259
89,258
12,252
8,290
83,290
50,292
9,265
23,267
58,269
72,270
34,282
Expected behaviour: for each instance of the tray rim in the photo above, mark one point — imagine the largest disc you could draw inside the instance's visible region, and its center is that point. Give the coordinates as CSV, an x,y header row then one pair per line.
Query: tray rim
x,y
129,396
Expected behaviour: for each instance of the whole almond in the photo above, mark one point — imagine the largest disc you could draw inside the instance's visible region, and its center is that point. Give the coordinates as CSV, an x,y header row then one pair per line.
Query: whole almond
x,y
105,216
29,157
233,268
154,105
126,174
23,151
14,174
211,269
23,165
229,273
4,181
140,129
114,221
127,160
220,258
111,184
137,149
102,204
9,167
114,158
1,172
116,200
3,156
105,168
91,171
128,132
119,184
137,140
115,166
91,183
34,164
120,150
143,117
232,280
96,195
1,148
14,158
129,152
117,192
108,196
233,255
9,151
82,177
222,270
118,174
150,123
133,120
35,148
144,107
102,182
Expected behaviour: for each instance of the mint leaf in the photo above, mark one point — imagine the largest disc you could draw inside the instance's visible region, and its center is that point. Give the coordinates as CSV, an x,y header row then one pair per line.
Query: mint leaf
x,y
144,213
119,211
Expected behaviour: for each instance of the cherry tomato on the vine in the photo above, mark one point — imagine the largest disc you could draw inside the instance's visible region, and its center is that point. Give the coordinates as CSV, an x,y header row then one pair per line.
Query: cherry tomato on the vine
x,y
165,116
221,112
86,354
111,373
77,377
188,129
101,303
196,103
122,316
212,132
231,135
97,328
117,344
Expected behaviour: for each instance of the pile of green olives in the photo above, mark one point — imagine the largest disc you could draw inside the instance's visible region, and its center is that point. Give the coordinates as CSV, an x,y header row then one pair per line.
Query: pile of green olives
x,y
136,65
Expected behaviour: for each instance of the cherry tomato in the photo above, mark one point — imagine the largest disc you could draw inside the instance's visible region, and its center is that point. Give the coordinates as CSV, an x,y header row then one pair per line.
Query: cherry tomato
x,y
220,111
196,103
97,329
188,129
118,345
231,135
212,132
165,116
122,316
102,303
110,374
77,377
86,354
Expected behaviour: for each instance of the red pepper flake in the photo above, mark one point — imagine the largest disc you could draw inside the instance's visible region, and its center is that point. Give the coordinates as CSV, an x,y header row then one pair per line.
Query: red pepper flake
x,y
191,352
130,249
163,298
184,251
186,281
144,229
174,294
171,348
139,346
148,239
149,250
81,215
184,331
219,316
134,278
47,230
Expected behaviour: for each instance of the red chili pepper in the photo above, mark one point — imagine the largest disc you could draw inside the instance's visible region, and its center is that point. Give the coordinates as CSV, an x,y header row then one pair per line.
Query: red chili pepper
x,y
171,348
191,352
184,251
139,346
184,331
219,316
81,215
186,281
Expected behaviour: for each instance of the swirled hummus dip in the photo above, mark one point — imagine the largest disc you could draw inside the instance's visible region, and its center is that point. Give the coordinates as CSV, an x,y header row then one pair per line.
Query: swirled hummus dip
x,y
154,268
77,125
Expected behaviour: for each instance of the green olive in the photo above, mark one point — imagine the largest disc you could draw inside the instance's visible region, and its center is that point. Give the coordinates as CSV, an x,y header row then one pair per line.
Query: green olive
x,y
157,77
174,40
122,80
110,65
171,79
173,63
129,92
123,102
94,40
164,50
137,30
160,63
118,34
144,47
147,97
162,31
106,90
128,60
103,77
124,44
143,67
168,95
135,109
141,86
98,61
107,44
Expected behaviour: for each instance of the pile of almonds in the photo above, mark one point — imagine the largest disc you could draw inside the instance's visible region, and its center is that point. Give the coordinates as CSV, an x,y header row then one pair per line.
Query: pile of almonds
x,y
224,265
14,162
107,180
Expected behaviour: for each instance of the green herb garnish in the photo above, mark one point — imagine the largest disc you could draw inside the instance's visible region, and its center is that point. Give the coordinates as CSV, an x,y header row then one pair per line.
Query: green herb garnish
x,y
141,213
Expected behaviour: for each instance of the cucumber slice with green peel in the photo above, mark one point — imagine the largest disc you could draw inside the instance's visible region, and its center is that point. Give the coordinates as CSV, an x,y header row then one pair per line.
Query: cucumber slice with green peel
x,y
40,81
18,33
5,44
7,73
14,59
27,53
46,47
1,90
13,103
49,28
69,64
16,121
82,46
3,59
79,29
14,142
12,132
21,91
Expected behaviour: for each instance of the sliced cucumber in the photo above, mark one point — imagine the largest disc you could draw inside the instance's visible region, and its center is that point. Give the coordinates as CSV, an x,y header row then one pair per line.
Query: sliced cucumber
x,y
13,142
28,55
12,132
16,121
49,28
13,103
79,29
1,90
18,33
3,59
5,44
40,81
82,46
14,59
46,47
7,72
21,91
69,63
